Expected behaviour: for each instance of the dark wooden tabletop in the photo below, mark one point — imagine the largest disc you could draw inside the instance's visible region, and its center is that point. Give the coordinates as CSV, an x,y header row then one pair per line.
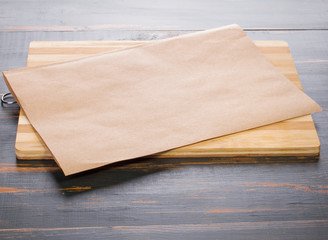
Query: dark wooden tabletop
x,y
157,199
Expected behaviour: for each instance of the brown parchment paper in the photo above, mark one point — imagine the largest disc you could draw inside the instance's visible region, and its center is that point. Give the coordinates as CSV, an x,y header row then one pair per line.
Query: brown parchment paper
x,y
154,97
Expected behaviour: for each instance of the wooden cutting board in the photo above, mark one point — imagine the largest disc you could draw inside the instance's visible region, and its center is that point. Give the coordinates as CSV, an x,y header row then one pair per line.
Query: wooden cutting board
x,y
295,137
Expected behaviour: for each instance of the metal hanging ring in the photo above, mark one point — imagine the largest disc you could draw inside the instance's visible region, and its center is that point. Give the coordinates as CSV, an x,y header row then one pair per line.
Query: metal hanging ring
x,y
6,96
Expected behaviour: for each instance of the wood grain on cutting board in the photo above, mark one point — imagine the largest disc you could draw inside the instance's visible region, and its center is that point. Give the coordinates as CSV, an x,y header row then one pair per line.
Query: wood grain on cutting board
x,y
294,137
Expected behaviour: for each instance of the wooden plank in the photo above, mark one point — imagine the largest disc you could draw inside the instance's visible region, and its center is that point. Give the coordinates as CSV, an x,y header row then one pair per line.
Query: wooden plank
x,y
295,137
87,15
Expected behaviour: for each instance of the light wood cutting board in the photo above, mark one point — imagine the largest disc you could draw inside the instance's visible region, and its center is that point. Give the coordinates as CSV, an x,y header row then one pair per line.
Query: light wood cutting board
x,y
295,137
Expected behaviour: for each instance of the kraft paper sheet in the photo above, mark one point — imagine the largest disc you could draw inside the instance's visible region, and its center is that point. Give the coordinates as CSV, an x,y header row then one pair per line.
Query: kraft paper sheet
x,y
154,97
